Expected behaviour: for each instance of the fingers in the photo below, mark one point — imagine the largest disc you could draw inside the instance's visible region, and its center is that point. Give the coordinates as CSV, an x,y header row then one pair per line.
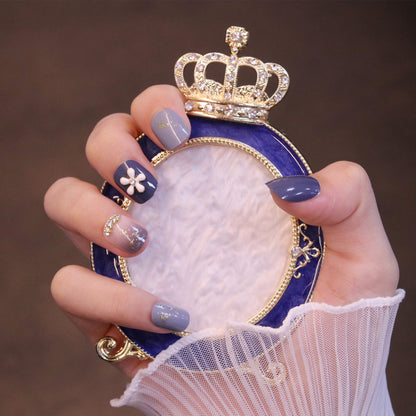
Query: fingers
x,y
114,152
340,199
93,298
86,215
159,112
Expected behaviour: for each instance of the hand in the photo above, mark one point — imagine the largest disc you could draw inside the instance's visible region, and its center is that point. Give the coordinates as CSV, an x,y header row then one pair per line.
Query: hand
x,y
359,262
80,210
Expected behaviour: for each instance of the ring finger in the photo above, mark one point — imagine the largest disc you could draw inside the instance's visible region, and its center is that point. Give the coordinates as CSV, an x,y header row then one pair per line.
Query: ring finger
x,y
82,210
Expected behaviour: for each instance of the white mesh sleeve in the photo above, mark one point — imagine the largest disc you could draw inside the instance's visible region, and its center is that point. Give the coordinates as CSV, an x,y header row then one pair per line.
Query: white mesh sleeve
x,y
323,360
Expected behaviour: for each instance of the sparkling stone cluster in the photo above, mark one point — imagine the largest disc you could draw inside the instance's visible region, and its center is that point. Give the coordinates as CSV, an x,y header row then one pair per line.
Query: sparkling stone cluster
x,y
231,111
111,222
248,102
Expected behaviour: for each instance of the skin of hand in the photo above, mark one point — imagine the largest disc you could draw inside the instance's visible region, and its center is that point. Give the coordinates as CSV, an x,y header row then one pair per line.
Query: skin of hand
x,y
359,262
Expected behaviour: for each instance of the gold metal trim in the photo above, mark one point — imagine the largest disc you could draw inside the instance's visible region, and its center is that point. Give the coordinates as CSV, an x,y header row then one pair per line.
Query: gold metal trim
x,y
164,155
107,350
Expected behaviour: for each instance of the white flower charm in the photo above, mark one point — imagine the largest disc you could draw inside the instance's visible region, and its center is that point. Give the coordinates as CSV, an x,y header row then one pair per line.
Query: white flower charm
x,y
133,181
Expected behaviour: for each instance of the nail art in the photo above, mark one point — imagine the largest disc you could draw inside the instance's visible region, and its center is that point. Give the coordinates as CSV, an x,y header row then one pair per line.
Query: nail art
x,y
295,188
170,317
136,181
125,233
170,129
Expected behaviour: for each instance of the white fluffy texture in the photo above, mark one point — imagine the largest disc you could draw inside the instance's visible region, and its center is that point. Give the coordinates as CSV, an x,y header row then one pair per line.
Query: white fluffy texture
x,y
324,360
218,243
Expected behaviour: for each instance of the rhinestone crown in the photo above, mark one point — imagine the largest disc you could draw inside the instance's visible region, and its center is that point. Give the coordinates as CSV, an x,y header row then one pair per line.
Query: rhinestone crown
x,y
246,103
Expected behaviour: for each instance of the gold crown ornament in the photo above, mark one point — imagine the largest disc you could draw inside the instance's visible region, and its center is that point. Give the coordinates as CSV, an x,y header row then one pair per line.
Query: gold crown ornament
x,y
245,103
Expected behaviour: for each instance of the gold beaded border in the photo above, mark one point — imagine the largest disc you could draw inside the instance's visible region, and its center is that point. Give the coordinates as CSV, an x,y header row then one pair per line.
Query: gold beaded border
x,y
211,140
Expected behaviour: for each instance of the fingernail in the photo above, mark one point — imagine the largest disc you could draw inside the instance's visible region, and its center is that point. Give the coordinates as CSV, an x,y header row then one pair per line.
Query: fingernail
x,y
136,181
170,317
295,188
170,129
125,233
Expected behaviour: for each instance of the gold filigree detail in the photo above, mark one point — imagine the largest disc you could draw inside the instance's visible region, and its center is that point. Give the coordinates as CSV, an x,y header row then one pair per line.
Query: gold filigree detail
x,y
307,251
273,373
245,103
108,350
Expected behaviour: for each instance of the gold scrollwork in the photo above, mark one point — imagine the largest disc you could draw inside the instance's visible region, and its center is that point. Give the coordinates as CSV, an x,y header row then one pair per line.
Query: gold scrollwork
x,y
273,373
307,251
107,350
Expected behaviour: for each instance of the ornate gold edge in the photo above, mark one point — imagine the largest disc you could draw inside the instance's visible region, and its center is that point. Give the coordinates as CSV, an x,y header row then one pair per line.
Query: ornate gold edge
x,y
291,145
291,264
108,350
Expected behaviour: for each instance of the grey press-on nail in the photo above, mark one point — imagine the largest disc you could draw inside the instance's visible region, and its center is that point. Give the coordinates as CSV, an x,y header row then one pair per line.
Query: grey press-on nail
x,y
170,129
170,317
295,188
125,233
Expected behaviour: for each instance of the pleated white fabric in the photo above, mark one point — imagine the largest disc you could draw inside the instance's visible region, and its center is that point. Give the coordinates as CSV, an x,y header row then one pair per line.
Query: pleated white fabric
x,y
323,360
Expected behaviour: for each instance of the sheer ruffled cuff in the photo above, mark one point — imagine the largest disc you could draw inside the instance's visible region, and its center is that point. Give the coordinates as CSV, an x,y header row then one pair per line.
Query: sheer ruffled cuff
x,y
323,360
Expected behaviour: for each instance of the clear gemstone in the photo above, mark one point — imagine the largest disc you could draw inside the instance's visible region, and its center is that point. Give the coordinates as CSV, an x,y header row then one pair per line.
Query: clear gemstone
x,y
201,86
180,84
236,36
229,77
227,96
209,108
191,57
179,65
229,110
253,61
251,114
233,59
296,251
189,105
213,56
200,67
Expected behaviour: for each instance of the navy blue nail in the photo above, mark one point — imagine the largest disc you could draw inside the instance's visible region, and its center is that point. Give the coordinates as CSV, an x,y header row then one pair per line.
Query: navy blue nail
x,y
170,317
138,183
295,188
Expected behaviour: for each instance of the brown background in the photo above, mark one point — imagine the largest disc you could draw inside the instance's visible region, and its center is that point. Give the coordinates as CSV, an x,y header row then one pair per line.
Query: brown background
x,y
64,65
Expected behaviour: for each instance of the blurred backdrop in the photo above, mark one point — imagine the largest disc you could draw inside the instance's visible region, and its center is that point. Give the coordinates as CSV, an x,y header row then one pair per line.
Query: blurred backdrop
x,y
66,64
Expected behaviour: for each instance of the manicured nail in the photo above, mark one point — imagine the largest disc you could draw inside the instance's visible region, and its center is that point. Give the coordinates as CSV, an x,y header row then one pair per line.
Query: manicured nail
x,y
170,317
125,233
136,181
170,129
295,188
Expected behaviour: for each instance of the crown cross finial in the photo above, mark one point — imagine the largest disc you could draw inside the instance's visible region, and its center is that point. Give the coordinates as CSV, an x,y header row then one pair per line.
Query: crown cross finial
x,y
237,38
247,103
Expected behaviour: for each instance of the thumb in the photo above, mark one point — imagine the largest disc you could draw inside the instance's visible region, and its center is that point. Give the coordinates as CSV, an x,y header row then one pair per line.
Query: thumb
x,y
340,199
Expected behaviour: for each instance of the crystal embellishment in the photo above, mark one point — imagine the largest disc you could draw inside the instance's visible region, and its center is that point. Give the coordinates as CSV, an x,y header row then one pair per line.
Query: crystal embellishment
x,y
210,98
